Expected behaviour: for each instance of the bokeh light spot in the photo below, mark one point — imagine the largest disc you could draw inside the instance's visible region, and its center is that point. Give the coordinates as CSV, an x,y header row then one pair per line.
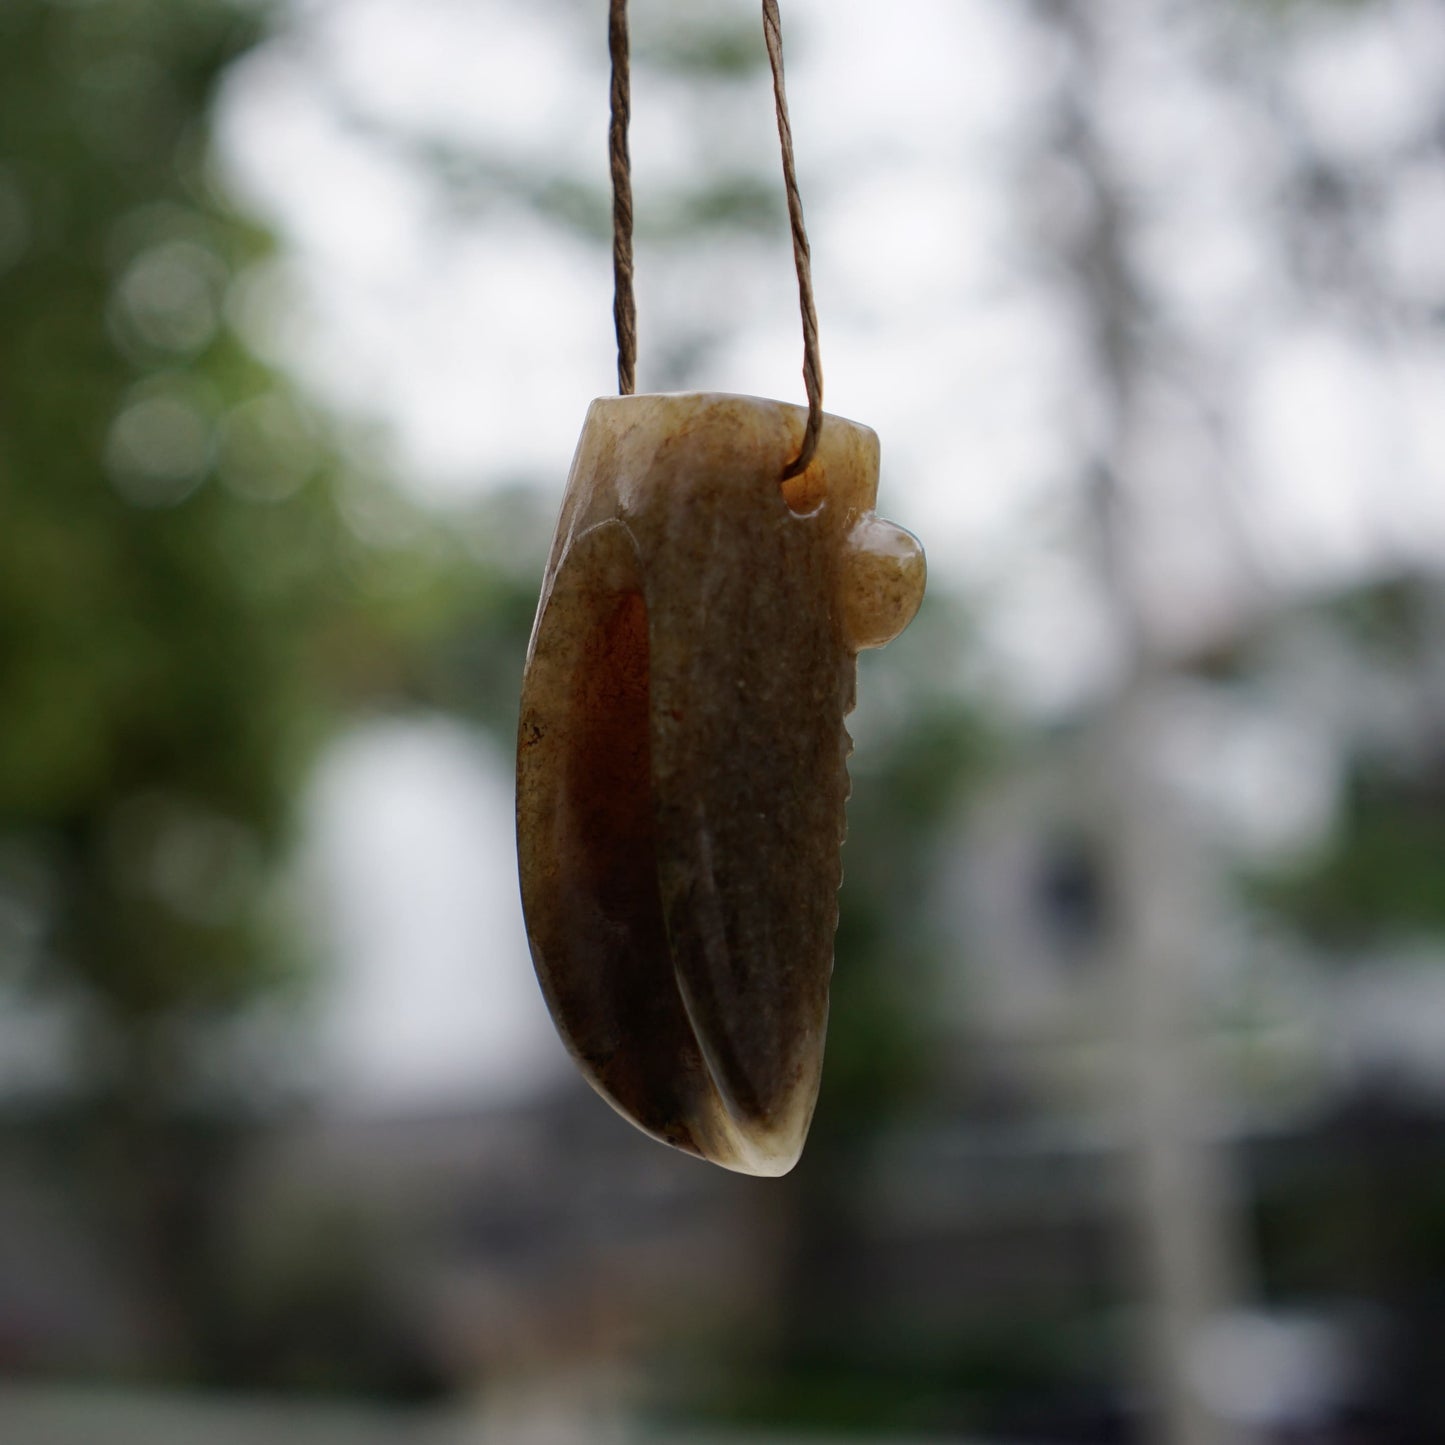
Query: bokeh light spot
x,y
158,449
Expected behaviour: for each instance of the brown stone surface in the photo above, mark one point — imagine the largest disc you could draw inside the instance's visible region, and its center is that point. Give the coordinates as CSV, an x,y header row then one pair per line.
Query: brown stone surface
x,y
681,759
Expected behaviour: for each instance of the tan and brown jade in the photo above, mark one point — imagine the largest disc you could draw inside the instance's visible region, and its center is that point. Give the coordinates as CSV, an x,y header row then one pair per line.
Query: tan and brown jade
x,y
681,757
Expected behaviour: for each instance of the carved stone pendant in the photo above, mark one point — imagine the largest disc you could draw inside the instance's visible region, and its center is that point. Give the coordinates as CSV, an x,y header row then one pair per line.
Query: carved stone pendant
x,y
681,759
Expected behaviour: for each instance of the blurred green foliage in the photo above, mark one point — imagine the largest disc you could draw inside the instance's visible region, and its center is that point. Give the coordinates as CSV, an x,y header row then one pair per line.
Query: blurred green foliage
x,y
480,187
173,565
1379,877
891,952
978,1382
198,583
701,45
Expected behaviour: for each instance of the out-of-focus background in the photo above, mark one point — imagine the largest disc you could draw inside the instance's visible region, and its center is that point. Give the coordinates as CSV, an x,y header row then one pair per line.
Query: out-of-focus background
x,y
1133,1123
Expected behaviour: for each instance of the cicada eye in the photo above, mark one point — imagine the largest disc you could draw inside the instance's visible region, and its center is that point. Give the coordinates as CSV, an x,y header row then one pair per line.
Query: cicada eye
x,y
883,577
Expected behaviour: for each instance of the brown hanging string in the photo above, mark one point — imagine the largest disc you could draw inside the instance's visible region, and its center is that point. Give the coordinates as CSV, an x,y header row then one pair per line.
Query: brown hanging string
x,y
802,254
624,304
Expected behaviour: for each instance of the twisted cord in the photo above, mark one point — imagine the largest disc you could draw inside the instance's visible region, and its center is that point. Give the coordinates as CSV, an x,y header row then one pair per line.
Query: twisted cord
x,y
802,253
624,303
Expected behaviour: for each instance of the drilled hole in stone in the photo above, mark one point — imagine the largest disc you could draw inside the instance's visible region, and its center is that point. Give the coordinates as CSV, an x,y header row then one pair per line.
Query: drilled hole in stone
x,y
806,492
